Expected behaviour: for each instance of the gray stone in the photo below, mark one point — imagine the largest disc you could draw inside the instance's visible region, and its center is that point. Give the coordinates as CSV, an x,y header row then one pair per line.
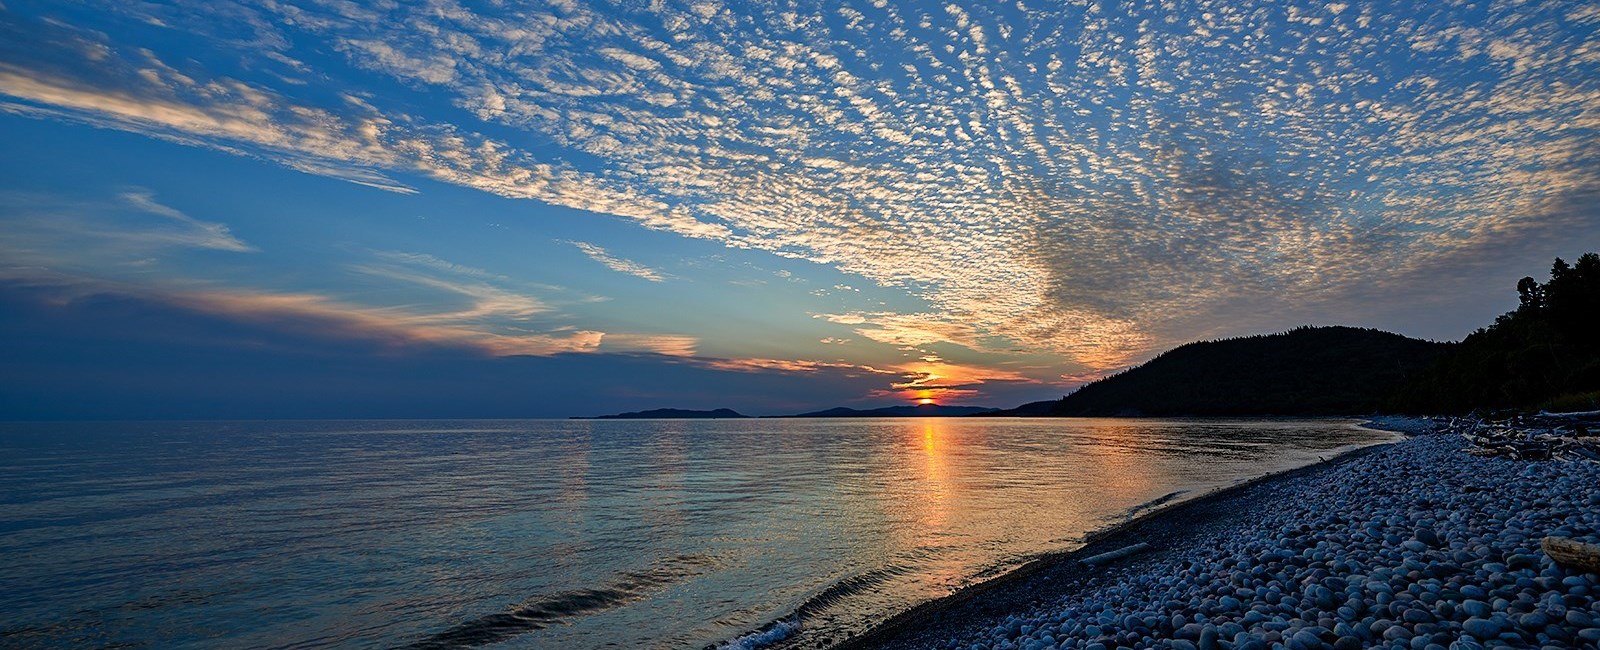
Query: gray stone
x,y
1577,618
1416,615
1481,628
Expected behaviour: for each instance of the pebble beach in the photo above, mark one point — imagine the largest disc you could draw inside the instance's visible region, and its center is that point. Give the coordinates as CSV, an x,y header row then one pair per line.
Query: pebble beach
x,y
1415,545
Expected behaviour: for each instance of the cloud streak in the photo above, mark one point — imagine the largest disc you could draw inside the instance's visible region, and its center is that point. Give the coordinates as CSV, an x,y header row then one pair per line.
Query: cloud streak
x,y
198,233
618,264
45,229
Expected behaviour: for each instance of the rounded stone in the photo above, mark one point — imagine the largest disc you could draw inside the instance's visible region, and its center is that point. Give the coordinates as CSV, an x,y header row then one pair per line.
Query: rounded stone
x,y
1416,615
1481,628
1579,619
1533,621
1305,640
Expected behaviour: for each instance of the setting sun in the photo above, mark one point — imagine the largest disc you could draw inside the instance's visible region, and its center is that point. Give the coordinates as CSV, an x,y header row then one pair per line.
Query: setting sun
x,y
925,400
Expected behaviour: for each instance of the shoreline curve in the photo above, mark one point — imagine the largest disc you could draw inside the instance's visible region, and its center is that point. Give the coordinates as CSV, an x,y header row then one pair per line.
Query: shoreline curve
x,y
1007,592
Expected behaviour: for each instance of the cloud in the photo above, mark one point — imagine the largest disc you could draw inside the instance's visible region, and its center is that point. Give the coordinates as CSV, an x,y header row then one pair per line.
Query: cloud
x,y
908,329
484,299
792,365
146,357
469,310
386,330
350,141
1094,184
618,264
54,230
174,352
397,329
672,345
942,379
199,233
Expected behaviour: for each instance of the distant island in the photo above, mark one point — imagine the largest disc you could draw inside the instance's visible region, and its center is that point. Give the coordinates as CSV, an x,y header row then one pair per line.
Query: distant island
x,y
669,414
904,411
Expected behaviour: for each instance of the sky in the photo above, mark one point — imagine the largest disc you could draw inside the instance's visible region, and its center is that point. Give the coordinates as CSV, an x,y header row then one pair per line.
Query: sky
x,y
332,208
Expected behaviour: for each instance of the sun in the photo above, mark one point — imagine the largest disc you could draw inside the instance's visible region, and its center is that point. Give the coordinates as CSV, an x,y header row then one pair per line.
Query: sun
x,y
925,401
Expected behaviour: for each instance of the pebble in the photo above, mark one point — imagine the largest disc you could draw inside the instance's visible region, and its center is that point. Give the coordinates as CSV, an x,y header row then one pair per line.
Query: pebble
x,y
1399,549
1482,628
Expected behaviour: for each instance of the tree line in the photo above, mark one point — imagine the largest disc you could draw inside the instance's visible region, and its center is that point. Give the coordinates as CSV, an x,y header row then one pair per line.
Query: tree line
x,y
1543,355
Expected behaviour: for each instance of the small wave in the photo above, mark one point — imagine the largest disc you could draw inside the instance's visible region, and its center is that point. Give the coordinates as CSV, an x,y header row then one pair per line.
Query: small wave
x,y
790,625
542,611
773,632
851,585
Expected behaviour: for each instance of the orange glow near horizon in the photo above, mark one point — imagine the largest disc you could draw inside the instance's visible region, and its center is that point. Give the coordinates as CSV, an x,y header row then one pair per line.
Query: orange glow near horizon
x,y
925,400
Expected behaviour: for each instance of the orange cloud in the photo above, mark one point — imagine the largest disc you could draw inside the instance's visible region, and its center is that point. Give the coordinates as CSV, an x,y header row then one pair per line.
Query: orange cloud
x,y
668,344
939,379
790,365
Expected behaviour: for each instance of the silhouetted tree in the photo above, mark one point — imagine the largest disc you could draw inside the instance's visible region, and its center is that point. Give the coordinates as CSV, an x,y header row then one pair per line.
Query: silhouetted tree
x,y
1531,294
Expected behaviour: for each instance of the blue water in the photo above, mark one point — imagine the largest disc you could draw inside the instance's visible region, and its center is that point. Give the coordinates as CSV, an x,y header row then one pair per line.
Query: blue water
x,y
563,534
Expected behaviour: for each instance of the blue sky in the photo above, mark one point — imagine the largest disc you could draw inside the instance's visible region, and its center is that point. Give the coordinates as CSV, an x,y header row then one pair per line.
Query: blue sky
x,y
762,205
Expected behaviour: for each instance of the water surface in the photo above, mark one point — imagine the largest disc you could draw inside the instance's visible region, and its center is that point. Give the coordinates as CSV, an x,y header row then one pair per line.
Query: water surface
x,y
563,534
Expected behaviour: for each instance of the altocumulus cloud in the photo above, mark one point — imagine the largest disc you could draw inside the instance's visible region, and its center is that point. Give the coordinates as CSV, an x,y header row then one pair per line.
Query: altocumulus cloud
x,y
1072,177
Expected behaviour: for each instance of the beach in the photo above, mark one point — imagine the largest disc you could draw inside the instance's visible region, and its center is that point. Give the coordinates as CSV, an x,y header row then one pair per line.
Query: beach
x,y
1414,544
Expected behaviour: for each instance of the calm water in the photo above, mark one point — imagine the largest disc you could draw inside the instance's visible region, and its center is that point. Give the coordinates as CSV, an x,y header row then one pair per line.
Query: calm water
x,y
562,534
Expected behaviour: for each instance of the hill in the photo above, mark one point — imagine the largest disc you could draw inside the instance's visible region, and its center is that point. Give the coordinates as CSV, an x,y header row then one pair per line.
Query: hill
x,y
670,414
1026,410
1305,371
906,411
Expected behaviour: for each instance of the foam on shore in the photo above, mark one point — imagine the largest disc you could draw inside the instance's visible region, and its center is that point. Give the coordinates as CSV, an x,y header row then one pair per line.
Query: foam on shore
x,y
764,637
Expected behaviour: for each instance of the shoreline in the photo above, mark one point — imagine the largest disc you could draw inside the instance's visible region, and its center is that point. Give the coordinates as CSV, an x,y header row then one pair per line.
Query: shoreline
x,y
1018,589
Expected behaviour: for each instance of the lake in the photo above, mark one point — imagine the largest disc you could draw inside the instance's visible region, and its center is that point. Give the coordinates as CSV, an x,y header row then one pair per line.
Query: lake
x,y
566,534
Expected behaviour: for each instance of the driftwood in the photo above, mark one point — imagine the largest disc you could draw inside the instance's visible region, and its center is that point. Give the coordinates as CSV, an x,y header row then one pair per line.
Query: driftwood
x,y
1573,555
1575,415
1546,436
1112,556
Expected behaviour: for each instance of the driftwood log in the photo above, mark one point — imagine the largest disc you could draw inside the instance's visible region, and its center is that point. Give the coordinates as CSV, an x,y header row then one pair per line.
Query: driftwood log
x,y
1112,556
1573,555
1547,436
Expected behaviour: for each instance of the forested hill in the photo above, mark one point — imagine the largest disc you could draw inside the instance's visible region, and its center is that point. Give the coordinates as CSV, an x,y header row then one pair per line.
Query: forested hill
x,y
1305,371
1544,355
